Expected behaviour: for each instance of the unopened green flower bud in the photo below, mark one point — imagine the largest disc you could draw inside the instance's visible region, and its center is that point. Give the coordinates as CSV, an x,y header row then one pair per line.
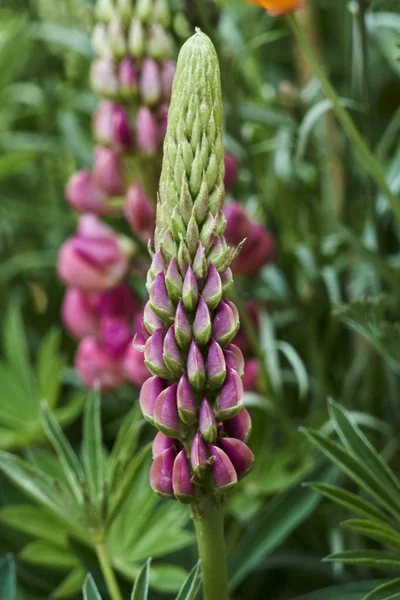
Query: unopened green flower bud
x,y
136,39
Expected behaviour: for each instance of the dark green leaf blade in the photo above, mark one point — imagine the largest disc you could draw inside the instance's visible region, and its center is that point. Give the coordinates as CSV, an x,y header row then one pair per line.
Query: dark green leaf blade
x,y
141,588
367,558
385,591
191,585
92,451
90,591
7,578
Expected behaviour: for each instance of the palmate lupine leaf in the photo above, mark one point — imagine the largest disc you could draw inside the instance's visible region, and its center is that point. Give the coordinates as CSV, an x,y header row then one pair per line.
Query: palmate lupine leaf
x,y
92,450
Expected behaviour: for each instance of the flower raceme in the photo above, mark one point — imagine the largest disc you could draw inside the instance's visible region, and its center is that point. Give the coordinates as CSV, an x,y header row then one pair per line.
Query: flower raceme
x,y
195,395
278,7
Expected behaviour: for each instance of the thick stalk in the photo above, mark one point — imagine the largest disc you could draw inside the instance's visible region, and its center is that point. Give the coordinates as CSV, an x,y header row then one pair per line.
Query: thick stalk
x,y
370,163
208,520
108,573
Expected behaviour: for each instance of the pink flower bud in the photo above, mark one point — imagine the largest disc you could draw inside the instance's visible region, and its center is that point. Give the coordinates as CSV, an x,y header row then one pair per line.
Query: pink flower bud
x,y
160,302
161,442
172,355
212,292
118,302
195,368
78,314
216,367
207,422
181,479
190,290
157,266
161,472
150,82
151,321
115,334
168,69
230,400
226,281
121,130
153,354
108,171
147,131
139,213
166,417
225,322
251,373
92,260
173,280
239,454
83,195
162,122
134,368
183,331
257,251
104,77
230,170
202,323
223,471
234,358
103,122
149,393
186,402
239,426
96,367
199,457
128,83
238,223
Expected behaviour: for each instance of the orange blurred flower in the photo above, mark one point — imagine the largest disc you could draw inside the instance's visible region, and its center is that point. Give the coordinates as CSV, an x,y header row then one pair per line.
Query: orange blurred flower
x,y
278,7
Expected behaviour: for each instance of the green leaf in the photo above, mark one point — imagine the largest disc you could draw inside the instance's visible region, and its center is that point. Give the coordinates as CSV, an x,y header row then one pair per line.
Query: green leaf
x,y
379,559
47,554
49,367
355,441
45,490
68,459
92,451
34,522
71,585
385,591
350,501
141,588
124,446
380,532
354,468
191,585
347,591
273,525
7,578
90,591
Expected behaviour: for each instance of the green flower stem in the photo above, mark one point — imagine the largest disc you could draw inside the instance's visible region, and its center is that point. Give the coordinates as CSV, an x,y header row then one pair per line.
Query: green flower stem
x,y
108,573
209,524
370,163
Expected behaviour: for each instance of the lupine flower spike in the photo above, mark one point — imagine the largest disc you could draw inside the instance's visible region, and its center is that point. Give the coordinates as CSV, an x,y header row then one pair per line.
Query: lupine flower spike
x,y
200,451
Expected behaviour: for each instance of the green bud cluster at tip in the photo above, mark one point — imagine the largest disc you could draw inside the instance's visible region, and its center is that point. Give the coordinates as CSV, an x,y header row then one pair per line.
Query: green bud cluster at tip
x,y
192,178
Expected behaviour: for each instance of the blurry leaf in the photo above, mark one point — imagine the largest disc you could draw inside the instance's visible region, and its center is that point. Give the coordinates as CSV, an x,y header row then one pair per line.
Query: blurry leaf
x,y
355,469
68,459
141,588
273,525
385,591
13,34
367,318
384,26
349,500
49,367
34,522
356,442
297,366
68,38
347,591
71,585
125,445
380,532
191,585
379,559
166,578
92,451
90,591
7,578
44,553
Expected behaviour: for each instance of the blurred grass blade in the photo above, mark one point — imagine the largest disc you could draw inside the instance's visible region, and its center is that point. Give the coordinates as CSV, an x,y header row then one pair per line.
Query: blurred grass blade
x,y
7,578
350,501
141,588
92,450
68,459
71,585
347,591
273,525
191,586
385,591
298,367
125,445
90,591
380,532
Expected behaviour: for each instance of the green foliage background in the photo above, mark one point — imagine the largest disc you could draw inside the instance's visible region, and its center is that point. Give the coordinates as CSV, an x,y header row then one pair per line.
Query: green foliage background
x,y
330,321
